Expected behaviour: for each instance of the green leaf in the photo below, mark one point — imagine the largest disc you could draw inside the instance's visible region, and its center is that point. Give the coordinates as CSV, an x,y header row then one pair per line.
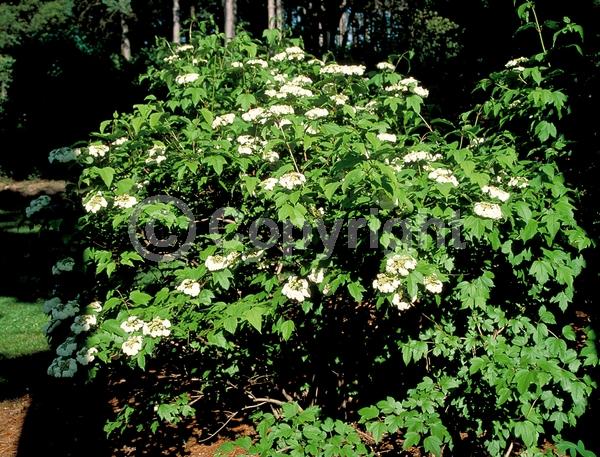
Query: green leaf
x,y
356,290
140,298
254,317
286,329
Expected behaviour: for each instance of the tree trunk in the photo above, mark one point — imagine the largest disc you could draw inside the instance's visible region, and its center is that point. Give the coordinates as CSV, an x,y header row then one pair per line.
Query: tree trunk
x,y
271,14
229,19
125,43
280,13
176,22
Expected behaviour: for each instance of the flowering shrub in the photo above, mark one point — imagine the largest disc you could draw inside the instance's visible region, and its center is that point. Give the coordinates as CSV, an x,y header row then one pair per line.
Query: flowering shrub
x,y
343,248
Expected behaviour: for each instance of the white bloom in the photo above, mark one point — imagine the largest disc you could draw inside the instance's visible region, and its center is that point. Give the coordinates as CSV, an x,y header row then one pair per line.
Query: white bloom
x,y
94,202
295,90
187,78
37,205
496,192
292,179
418,156
283,122
62,155
86,356
66,264
219,262
339,99
221,121
258,62
443,176
83,323
157,327
189,287
420,91
389,137
125,201
300,80
280,110
386,284
156,153
269,183
386,66
311,130
66,348
97,150
476,141
316,113
132,324
184,47
516,62
433,284
119,141
347,70
488,210
170,59
245,150
291,53
518,181
95,307
253,114
133,345
296,289
397,300
62,368
317,276
400,264
270,156
237,64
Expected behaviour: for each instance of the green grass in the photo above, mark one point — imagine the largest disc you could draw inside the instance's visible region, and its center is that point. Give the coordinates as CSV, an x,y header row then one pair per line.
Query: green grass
x,y
21,328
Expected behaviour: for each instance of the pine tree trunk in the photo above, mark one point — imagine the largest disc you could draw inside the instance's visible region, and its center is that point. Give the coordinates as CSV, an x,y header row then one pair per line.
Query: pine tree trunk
x,y
271,14
176,22
229,19
125,43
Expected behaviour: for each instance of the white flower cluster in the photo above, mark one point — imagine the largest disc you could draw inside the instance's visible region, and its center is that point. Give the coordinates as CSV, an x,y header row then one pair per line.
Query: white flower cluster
x,y
296,289
185,47
59,312
94,202
518,181
339,99
97,150
421,156
119,141
316,113
262,115
125,201
386,66
400,264
386,284
62,368
220,262
249,145
85,356
189,287
258,62
62,155
291,53
63,265
515,64
156,154
409,84
37,205
443,176
348,70
433,284
187,78
289,89
292,179
221,121
316,275
488,210
399,302
496,192
387,137
155,328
